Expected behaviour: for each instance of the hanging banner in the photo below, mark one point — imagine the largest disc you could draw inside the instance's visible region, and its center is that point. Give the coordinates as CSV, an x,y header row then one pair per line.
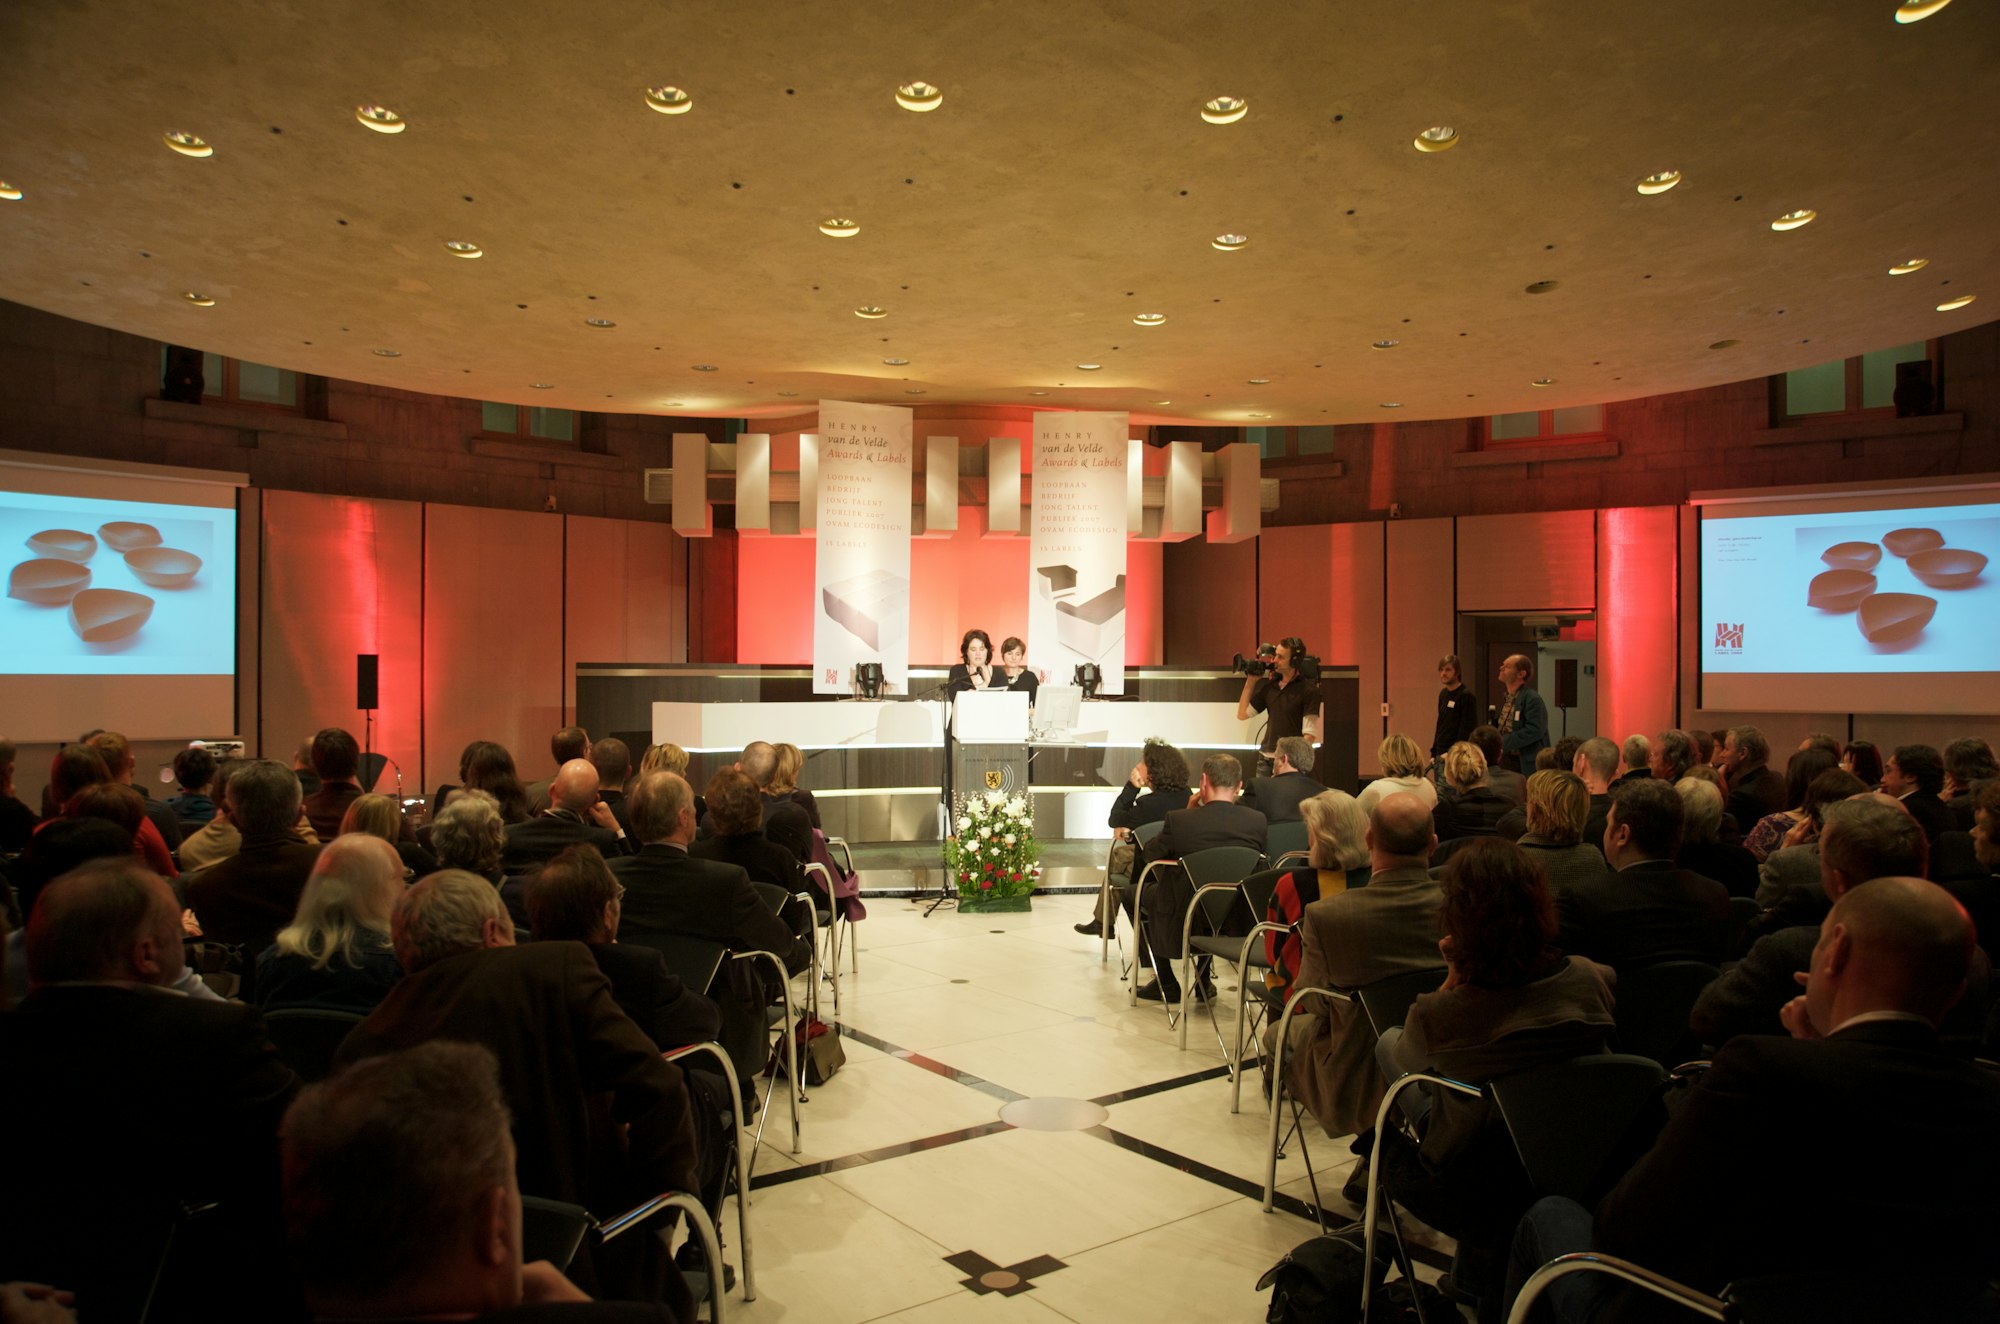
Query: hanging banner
x,y
1076,557
861,602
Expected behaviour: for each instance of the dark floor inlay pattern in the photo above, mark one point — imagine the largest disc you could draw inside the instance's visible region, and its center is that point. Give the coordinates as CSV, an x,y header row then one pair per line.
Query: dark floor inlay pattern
x,y
1014,1279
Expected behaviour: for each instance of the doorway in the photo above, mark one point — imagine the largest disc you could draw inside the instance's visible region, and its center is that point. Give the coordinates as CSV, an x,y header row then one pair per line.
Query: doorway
x,y
1565,667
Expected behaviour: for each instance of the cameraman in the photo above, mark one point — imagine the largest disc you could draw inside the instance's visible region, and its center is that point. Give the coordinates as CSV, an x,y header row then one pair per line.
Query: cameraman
x,y
1291,701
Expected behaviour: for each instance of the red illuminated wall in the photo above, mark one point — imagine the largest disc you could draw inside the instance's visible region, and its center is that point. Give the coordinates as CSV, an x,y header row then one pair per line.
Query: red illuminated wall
x,y
1637,613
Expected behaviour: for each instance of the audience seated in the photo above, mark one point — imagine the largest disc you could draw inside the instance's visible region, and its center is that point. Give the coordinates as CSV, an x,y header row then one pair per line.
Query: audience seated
x,y
612,758
576,815
336,761
1967,763
1635,758
1864,760
125,1099
1914,774
1768,833
669,757
784,822
785,781
1473,808
1795,865
485,766
335,955
1597,765
572,742
1156,786
380,816
1754,790
120,762
1757,1173
548,1015
1702,851
401,1199
194,769
1213,819
1558,807
1278,796
17,820
245,899
1337,833
80,765
736,811
1671,754
1508,783
1805,901
1403,769
1981,896
470,835
1647,909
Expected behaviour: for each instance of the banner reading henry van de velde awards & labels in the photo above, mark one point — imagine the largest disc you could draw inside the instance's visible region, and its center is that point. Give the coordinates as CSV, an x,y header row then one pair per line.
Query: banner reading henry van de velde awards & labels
x,y
861,602
1076,547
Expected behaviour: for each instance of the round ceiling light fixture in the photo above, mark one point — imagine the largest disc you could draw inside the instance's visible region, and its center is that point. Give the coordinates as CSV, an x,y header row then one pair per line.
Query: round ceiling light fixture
x,y
1437,138
199,300
1162,402
896,363
704,367
919,96
9,192
1792,220
871,311
788,394
1260,381
1260,415
1387,344
600,323
1909,265
187,144
1228,243
915,390
1916,11
1150,319
1659,182
541,386
1950,304
380,118
1543,381
1725,344
669,100
464,248
839,227
1038,393
390,353
1225,110
1392,404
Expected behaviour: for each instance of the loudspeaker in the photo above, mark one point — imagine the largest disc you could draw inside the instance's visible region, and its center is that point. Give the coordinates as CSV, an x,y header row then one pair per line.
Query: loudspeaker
x,y
1565,682
365,675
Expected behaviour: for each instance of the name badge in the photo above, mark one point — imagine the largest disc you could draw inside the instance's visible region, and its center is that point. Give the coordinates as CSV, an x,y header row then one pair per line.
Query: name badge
x,y
1451,703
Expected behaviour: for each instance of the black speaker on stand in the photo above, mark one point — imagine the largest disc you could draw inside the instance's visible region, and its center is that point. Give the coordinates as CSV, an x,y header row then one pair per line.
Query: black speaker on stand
x,y
367,690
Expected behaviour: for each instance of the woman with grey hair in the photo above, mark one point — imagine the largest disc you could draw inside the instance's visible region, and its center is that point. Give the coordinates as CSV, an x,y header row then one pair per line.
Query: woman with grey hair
x,y
1702,849
335,954
1338,860
468,834
1558,807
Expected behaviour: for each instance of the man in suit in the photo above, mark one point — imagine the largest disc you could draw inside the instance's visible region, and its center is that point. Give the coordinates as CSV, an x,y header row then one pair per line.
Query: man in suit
x,y
1670,756
1754,790
1635,759
668,893
1524,718
1279,796
548,1015
1507,783
1722,1197
1597,764
1914,774
572,742
575,816
1646,910
1214,819
124,1097
246,898
613,760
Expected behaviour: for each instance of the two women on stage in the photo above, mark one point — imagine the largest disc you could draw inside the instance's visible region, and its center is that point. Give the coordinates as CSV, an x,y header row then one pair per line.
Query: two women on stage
x,y
975,670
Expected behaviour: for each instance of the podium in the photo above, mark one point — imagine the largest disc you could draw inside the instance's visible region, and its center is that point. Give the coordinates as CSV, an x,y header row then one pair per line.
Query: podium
x,y
989,743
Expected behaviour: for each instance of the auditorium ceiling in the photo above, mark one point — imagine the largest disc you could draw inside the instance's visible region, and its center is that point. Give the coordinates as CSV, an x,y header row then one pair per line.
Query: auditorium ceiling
x,y
1061,188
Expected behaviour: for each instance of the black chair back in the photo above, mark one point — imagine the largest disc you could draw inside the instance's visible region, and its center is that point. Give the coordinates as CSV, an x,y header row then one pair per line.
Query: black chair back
x,y
1654,1002
1387,1001
1569,1119
1284,838
308,1037
695,960
1742,909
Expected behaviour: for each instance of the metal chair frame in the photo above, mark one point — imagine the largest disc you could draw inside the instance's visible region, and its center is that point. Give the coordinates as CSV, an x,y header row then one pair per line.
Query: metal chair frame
x,y
1593,1262
1243,1010
1207,909
1197,864
699,1223
1142,834
1131,969
742,1160
830,964
1274,1148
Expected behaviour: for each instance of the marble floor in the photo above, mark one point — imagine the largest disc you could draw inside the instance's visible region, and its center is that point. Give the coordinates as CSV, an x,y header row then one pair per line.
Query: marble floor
x,y
1004,1113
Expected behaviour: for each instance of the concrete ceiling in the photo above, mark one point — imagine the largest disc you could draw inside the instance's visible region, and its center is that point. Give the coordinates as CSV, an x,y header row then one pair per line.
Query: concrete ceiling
x,y
1066,184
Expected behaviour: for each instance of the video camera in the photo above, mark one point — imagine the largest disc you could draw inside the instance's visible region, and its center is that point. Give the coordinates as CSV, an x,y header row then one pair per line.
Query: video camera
x,y
1265,662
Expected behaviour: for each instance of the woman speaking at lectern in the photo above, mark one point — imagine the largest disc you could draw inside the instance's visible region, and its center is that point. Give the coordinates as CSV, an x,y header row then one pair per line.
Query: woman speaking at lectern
x,y
974,669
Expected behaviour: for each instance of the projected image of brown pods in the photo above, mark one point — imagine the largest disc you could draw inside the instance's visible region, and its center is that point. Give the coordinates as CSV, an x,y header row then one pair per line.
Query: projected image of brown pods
x,y
1852,555
1893,618
105,615
1908,542
48,581
1839,590
164,567
63,544
128,536
1948,567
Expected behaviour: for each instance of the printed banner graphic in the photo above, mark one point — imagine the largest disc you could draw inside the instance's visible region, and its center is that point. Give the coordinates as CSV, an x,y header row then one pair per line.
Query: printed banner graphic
x,y
861,602
1076,559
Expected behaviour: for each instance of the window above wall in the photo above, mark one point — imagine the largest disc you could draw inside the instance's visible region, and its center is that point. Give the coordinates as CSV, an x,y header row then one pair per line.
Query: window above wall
x,y
1536,426
527,421
1859,387
242,382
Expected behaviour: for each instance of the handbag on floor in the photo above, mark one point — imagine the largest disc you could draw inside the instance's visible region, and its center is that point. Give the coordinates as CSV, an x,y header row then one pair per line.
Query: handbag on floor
x,y
820,1051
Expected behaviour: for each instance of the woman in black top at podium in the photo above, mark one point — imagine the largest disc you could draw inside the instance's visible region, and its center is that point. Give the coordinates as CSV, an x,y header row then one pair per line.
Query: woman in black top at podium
x,y
1015,674
974,669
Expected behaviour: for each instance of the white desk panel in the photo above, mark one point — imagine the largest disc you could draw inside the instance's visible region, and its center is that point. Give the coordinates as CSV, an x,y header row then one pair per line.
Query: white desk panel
x,y
848,723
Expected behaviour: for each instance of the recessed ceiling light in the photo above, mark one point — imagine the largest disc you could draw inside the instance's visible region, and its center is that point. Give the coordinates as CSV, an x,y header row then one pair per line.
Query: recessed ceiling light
x,y
1260,381
919,97
1225,110
669,100
1162,402
1150,319
1038,393
1229,243
896,363
1392,404
1260,415
1912,11
1437,138
871,311
1387,344
1543,381
1960,302
704,367
390,353
1792,220
915,390
601,323
541,386
1906,267
1725,344
464,248
1659,183
676,404
199,300
1542,286
10,192
788,394
1089,367
187,144
839,227
380,118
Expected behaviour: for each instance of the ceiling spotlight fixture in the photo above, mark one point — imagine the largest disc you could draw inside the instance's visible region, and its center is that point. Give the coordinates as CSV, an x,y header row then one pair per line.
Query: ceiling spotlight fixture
x,y
919,97
390,353
839,227
1659,183
9,192
1725,344
1038,393
464,248
915,390
380,118
676,404
871,311
1260,381
896,363
788,394
187,144
1162,402
199,300
1260,415
669,100
1909,265
1088,367
1387,344
1392,404
1542,286
1792,220
1228,243
1437,138
1949,304
704,367
1915,11
1225,110
601,323
1543,381
1150,319
541,386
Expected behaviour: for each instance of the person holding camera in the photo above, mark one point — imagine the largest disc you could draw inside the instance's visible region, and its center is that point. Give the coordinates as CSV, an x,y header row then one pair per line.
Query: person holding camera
x,y
1282,690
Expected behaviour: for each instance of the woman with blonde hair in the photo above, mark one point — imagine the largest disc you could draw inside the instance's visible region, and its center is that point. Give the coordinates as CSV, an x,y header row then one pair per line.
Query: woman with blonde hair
x,y
785,781
669,757
1558,807
380,816
1338,832
335,954
1403,768
1469,807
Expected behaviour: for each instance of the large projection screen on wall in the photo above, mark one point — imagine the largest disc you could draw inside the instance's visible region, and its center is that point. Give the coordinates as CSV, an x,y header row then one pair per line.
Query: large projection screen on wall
x,y
1861,600
120,608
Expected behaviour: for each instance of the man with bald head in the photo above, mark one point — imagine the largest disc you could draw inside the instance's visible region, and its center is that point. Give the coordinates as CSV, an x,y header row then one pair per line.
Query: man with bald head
x,y
1858,1148
576,816
125,1096
784,821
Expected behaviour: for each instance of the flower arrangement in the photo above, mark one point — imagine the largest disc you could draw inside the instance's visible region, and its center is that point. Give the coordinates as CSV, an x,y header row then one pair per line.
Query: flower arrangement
x,y
995,857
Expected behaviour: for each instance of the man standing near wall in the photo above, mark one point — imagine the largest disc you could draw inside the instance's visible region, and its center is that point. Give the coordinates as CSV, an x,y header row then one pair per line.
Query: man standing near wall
x,y
1524,718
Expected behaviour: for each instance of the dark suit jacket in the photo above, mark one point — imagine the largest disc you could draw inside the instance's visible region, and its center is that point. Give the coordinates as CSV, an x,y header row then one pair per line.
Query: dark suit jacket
x,y
1131,809
164,819
325,807
1931,814
1724,1197
1278,798
654,997
1753,794
1647,912
540,839
1593,826
1508,784
766,862
1473,813
1732,866
248,897
1204,825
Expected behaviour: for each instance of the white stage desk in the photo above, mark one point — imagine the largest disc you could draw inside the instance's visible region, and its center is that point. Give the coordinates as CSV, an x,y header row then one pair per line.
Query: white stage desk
x,y
834,724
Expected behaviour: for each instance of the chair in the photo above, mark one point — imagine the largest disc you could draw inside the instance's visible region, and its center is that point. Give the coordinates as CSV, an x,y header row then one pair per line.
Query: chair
x,y
552,1230
1142,834
832,921
1218,875
308,1037
1590,1261
1654,1002
1283,840
1387,1001
1742,909
1219,868
743,1163
1248,955
1274,1149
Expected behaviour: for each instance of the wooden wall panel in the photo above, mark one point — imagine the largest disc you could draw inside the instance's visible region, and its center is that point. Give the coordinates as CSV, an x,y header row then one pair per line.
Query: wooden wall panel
x,y
625,597
1209,611
1356,633
1422,626
1537,562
